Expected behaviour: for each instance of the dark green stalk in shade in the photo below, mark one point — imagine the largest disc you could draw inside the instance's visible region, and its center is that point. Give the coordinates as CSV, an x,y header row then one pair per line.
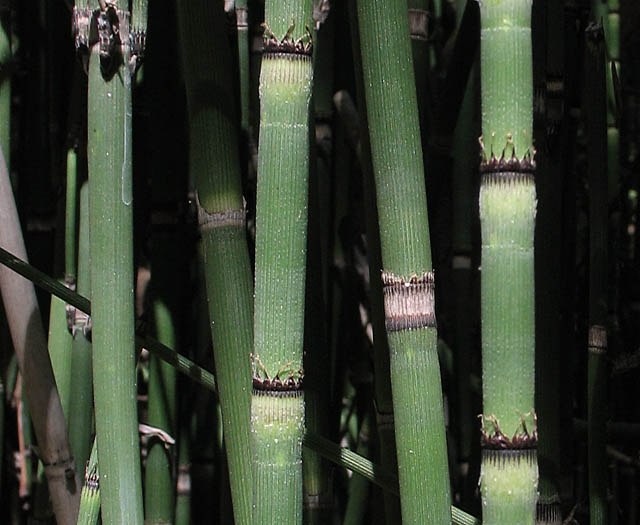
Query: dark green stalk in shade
x,y
408,281
382,379
180,362
342,457
595,100
111,245
81,395
277,408
214,161
359,487
551,127
159,482
183,477
242,27
509,476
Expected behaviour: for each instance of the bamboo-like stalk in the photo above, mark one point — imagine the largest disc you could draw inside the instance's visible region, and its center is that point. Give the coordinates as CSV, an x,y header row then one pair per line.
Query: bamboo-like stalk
x,y
81,394
111,245
595,100
90,495
382,380
179,361
60,338
242,28
318,497
338,455
408,282
167,251
277,408
214,159
30,346
159,482
509,475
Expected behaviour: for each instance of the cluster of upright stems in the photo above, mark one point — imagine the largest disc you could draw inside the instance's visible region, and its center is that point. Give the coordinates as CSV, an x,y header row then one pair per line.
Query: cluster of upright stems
x,y
259,340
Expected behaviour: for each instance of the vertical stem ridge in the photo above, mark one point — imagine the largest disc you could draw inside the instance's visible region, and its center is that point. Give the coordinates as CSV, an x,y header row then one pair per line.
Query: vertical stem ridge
x,y
277,422
406,253
111,238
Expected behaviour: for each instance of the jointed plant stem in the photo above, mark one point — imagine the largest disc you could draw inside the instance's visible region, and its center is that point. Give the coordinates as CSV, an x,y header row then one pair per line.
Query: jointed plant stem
x,y
509,476
408,282
111,240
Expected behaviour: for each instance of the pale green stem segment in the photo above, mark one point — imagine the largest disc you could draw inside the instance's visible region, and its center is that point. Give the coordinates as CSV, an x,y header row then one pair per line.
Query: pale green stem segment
x,y
59,343
507,215
509,477
81,402
277,423
406,256
281,237
214,164
90,495
111,241
507,78
71,218
281,216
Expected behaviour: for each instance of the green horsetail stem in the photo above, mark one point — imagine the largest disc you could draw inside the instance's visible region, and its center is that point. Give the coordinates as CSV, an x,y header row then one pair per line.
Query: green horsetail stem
x,y
338,455
277,407
408,282
242,28
90,495
509,475
159,482
60,338
81,395
112,280
381,354
215,163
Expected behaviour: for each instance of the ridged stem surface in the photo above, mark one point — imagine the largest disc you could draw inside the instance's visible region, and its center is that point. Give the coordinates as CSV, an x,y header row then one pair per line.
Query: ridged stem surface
x,y
111,241
81,402
277,424
214,163
90,495
507,77
509,477
404,234
507,218
281,255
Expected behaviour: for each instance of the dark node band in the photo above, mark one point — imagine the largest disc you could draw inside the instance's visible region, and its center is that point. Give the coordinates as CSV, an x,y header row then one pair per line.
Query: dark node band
x,y
287,47
277,393
277,385
501,457
506,177
498,440
508,165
